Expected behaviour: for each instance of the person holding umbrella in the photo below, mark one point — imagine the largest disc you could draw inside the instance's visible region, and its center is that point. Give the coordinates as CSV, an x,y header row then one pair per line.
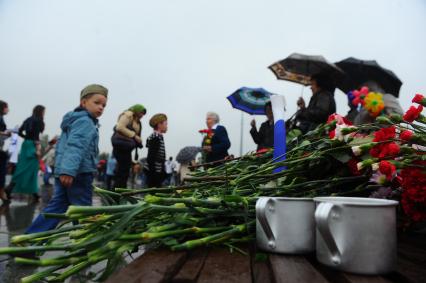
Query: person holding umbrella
x,y
264,138
369,73
321,104
253,101
186,158
318,72
391,104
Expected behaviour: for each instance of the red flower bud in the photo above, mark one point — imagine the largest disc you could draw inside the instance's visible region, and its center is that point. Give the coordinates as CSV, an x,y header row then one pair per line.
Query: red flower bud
x,y
413,113
419,99
387,168
406,135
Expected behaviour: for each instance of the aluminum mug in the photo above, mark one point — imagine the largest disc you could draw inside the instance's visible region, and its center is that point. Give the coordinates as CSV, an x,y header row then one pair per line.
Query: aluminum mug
x,y
356,235
285,225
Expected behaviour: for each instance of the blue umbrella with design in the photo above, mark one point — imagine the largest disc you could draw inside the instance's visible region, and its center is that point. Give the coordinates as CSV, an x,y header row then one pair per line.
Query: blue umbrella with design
x,y
250,100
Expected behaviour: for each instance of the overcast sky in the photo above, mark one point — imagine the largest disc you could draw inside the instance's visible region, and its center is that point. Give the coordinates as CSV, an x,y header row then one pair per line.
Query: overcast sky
x,y
184,57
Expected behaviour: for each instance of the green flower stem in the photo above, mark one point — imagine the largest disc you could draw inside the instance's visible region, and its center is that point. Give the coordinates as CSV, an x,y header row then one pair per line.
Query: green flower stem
x,y
93,210
75,269
49,238
106,192
157,235
146,191
29,249
114,232
40,275
26,237
206,240
50,262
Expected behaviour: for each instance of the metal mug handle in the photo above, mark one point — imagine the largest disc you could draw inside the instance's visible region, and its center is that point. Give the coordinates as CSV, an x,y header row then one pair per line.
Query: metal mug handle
x,y
323,214
262,205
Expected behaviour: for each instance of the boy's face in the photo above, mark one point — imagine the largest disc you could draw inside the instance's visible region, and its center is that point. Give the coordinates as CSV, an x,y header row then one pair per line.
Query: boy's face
x,y
94,104
162,127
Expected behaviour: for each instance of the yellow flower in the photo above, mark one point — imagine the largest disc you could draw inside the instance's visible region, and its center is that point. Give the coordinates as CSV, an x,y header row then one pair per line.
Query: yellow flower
x,y
374,104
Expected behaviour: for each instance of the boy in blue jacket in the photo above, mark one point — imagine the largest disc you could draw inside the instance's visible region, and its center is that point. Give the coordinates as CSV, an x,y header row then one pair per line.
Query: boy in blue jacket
x,y
76,154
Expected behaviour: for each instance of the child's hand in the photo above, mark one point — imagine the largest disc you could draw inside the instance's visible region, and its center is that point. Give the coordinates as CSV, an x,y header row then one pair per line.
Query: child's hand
x,y
66,180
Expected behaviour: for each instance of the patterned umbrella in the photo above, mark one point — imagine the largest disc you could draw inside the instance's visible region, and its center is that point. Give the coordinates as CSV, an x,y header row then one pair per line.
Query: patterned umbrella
x,y
187,154
250,100
299,68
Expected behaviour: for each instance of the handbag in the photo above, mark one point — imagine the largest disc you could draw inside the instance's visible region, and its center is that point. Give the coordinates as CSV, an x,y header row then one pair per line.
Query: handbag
x,y
122,142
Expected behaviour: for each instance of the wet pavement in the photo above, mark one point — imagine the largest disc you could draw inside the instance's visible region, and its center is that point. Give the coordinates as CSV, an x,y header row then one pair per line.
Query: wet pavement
x,y
14,219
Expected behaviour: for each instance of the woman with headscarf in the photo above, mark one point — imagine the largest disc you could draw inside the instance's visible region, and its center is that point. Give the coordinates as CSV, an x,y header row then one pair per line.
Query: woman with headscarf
x,y
126,138
25,177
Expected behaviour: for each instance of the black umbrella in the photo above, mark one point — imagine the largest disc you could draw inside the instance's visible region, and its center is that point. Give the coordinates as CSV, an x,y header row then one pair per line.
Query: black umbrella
x,y
187,154
299,68
360,71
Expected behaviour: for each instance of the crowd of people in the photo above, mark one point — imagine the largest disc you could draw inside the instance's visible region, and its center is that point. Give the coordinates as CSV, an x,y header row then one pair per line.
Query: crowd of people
x,y
73,157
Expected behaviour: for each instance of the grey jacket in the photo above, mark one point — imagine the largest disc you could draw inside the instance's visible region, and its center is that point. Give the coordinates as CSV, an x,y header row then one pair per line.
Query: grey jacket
x,y
391,106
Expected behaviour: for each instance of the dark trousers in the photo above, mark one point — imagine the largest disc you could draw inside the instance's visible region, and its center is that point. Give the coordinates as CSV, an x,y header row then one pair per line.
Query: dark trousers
x,y
122,169
3,168
108,181
155,179
80,193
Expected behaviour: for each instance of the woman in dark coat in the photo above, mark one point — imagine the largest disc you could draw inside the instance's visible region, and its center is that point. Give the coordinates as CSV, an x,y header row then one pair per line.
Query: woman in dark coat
x,y
218,148
264,138
4,134
321,105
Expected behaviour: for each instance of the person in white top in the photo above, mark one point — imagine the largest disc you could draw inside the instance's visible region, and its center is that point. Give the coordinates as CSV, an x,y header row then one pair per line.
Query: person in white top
x,y
170,168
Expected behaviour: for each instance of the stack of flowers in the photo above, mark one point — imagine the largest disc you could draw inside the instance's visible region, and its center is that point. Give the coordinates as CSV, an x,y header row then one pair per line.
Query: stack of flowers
x,y
397,157
217,205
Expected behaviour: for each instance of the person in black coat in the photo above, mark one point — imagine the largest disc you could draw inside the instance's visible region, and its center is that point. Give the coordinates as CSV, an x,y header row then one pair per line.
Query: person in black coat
x,y
218,148
321,105
4,134
264,138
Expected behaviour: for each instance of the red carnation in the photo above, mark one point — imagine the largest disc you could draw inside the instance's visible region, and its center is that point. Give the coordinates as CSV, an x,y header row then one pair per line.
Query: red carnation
x,y
387,169
413,113
414,192
392,149
384,134
406,135
419,99
385,150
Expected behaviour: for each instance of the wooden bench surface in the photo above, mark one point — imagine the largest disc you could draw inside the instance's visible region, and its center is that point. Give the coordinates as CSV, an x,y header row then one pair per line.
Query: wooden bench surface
x,y
220,265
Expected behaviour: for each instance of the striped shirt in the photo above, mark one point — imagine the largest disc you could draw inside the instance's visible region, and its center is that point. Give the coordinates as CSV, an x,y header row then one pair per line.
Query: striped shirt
x,y
156,152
